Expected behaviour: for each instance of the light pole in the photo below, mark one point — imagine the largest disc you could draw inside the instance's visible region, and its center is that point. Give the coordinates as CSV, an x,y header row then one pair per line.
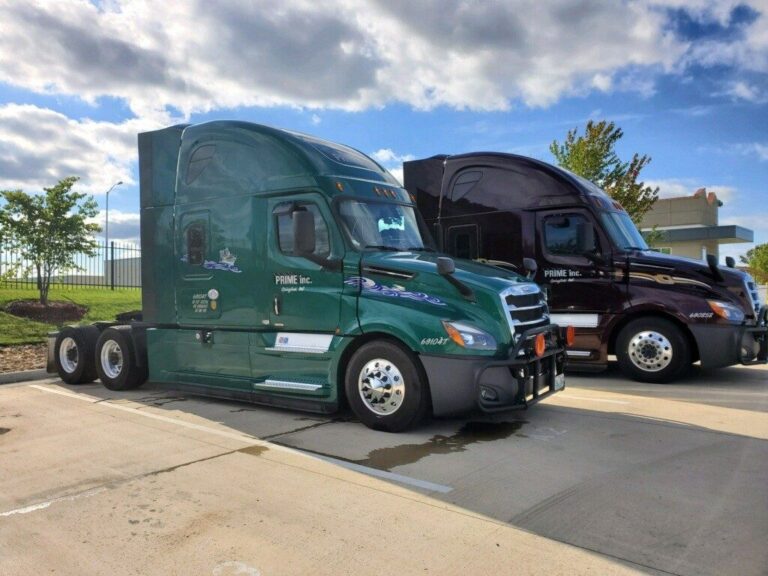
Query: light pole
x,y
110,254
106,231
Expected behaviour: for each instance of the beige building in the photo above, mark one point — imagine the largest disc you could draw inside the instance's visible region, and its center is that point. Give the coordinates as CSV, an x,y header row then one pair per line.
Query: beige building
x,y
690,226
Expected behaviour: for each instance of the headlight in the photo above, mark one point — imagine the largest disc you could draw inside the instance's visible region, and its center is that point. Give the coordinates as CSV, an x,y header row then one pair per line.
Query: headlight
x,y
727,311
468,336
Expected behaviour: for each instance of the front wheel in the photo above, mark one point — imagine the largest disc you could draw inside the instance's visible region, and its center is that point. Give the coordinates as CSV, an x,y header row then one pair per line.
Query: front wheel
x,y
116,361
653,350
385,388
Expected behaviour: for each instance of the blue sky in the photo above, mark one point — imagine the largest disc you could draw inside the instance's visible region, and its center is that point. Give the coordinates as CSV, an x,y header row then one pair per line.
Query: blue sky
x,y
687,80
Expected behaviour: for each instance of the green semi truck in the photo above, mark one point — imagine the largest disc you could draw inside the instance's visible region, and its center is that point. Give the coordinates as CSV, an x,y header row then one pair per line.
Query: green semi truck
x,y
286,270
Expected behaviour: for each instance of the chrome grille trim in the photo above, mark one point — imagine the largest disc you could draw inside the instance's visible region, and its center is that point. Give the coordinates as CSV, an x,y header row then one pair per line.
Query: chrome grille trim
x,y
525,294
750,287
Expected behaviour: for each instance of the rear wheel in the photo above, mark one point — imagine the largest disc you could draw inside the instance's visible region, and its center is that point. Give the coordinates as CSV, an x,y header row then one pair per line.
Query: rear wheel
x,y
653,350
74,348
116,361
385,388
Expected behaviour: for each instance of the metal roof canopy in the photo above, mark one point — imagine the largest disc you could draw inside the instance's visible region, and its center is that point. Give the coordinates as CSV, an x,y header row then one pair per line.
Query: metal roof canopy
x,y
723,234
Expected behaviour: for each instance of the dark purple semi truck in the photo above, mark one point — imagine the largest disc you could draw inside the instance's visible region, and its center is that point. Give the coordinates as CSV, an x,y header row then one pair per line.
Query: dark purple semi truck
x,y
657,313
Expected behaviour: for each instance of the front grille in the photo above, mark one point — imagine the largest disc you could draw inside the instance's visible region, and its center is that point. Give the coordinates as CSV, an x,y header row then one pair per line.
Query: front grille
x,y
750,287
523,300
527,315
526,307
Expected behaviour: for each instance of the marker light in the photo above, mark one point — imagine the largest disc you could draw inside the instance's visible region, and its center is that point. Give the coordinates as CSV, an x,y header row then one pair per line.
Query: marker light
x,y
339,186
570,336
468,336
727,311
539,345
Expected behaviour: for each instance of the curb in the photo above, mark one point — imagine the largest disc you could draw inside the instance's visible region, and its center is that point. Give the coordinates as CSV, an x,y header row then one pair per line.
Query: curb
x,y
13,377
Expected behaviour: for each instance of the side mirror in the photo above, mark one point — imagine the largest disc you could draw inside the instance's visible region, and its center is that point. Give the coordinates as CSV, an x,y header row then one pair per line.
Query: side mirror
x,y
445,266
303,232
730,262
530,267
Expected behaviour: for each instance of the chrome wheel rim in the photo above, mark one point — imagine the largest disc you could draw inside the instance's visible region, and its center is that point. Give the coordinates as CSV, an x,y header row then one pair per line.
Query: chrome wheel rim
x,y
650,351
111,359
381,387
69,355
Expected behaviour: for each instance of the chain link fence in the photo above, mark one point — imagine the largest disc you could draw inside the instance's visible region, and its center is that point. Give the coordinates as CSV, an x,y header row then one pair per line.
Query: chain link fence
x,y
113,266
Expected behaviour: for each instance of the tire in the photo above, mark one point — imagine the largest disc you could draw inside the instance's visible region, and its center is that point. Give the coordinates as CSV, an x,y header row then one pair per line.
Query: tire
x,y
653,350
73,354
400,397
116,361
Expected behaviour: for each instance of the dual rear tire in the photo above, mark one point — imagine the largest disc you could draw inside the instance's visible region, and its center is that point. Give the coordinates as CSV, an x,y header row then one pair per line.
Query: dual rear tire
x,y
82,354
116,361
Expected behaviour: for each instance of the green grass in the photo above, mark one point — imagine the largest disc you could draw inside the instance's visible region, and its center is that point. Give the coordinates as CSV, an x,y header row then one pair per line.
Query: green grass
x,y
102,304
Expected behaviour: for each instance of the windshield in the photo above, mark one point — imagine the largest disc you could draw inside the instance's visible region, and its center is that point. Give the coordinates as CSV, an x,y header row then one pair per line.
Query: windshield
x,y
385,226
623,231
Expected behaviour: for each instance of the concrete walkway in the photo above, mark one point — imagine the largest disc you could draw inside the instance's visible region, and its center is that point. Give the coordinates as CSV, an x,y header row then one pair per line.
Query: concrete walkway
x,y
89,486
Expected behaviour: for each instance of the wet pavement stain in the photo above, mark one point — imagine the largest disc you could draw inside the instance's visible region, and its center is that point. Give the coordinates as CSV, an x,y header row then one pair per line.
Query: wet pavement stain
x,y
4,430
470,433
254,450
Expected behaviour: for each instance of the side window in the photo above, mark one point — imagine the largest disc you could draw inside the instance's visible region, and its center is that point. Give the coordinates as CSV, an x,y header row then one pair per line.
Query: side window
x,y
198,161
196,244
561,234
462,241
464,183
284,217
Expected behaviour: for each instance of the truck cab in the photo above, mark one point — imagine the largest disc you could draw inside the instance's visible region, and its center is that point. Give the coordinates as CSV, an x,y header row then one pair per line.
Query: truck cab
x,y
286,270
657,313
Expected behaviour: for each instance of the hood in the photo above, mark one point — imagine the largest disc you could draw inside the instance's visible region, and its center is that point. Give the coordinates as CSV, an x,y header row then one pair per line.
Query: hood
x,y
695,276
680,265
421,267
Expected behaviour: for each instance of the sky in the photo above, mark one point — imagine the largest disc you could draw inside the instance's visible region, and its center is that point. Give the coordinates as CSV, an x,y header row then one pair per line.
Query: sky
x,y
686,80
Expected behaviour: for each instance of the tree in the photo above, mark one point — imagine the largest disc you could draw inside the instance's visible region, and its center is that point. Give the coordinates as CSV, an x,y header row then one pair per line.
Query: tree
x,y
49,229
757,260
593,156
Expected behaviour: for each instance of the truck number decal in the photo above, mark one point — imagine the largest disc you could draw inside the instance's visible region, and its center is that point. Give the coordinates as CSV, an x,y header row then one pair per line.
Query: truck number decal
x,y
434,341
701,315
368,285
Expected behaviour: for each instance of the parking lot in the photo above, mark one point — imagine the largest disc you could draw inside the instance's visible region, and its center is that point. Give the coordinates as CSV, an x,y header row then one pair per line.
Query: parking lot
x,y
608,476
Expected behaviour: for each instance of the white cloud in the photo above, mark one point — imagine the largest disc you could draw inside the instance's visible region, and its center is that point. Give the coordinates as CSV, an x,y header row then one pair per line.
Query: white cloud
x,y
392,161
754,149
387,157
741,90
123,226
675,187
38,147
349,54
398,174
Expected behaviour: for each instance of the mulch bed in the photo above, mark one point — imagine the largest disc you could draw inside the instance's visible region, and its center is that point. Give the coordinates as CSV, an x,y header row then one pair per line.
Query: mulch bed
x,y
26,357
53,313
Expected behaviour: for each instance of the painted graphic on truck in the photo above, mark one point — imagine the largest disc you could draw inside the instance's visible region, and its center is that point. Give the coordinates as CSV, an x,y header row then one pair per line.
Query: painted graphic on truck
x,y
368,285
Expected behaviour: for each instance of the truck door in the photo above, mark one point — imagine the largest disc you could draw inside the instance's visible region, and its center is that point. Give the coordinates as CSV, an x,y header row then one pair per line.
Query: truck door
x,y
305,296
214,302
581,290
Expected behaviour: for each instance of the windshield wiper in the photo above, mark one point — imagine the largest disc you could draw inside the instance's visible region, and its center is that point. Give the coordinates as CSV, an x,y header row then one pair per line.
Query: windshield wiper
x,y
421,249
635,248
381,247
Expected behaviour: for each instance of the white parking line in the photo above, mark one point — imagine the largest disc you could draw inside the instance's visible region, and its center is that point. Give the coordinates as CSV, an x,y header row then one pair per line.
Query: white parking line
x,y
44,505
605,400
